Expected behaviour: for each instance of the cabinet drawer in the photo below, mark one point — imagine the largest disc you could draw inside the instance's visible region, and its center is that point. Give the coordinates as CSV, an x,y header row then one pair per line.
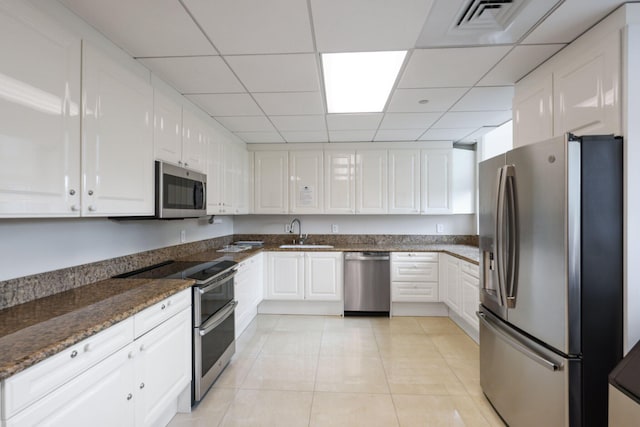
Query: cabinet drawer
x,y
470,269
152,316
31,384
414,292
414,271
414,256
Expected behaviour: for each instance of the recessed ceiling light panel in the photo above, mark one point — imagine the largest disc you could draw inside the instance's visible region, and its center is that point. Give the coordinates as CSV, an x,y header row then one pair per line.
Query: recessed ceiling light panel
x,y
360,82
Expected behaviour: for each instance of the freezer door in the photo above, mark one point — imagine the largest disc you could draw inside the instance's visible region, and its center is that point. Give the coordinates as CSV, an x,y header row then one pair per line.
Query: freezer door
x,y
527,384
489,174
545,292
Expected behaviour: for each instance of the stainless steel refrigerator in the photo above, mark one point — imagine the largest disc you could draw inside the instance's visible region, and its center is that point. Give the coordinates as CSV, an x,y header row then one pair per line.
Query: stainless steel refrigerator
x,y
550,220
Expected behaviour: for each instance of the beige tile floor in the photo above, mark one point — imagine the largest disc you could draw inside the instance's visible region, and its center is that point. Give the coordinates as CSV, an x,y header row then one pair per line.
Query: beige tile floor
x,y
354,371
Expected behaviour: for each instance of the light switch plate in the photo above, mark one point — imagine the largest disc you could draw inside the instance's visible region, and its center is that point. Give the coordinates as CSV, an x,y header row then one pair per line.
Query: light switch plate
x,y
183,236
334,228
439,228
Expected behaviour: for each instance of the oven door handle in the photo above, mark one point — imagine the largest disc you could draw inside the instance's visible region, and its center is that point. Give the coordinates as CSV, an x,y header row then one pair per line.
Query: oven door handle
x,y
218,318
217,282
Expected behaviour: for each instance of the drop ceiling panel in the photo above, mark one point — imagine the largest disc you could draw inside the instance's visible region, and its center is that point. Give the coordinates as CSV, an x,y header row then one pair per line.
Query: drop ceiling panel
x,y
365,25
260,137
475,119
439,99
409,120
145,27
195,74
518,63
571,19
365,121
227,104
246,123
254,26
276,73
351,135
446,134
486,99
453,67
299,123
290,103
306,136
398,134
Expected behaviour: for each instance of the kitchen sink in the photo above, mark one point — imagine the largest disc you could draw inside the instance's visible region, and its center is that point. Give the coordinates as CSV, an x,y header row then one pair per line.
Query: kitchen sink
x,y
306,246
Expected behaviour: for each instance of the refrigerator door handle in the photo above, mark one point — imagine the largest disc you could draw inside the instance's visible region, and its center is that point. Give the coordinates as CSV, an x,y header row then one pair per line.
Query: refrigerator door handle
x,y
511,266
499,236
522,348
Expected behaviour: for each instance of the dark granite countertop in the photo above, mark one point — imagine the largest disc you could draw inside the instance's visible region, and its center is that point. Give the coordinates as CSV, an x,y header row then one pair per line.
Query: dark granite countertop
x,y
33,331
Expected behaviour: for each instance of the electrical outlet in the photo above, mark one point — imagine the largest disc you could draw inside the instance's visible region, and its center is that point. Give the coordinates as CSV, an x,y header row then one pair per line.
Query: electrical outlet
x,y
334,228
287,228
183,236
439,228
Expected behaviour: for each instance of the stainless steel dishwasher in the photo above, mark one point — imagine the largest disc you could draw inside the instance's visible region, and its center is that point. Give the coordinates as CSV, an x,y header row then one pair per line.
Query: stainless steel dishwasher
x,y
367,287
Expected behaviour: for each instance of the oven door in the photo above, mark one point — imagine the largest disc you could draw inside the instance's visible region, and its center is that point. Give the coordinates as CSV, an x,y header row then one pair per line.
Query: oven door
x,y
214,344
212,297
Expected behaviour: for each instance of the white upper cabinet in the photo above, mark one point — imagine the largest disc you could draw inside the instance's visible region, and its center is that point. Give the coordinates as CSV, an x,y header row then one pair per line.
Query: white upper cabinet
x,y
586,89
215,174
340,183
167,128
39,115
404,181
195,138
436,181
463,186
271,173
306,185
240,182
533,110
371,182
117,137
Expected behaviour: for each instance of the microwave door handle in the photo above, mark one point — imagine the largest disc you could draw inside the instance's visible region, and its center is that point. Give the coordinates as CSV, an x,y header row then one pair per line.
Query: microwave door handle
x,y
499,236
204,195
513,236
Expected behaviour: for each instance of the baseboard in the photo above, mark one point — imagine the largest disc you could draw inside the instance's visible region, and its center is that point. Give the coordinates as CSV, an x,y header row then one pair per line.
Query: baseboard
x,y
419,309
470,330
326,308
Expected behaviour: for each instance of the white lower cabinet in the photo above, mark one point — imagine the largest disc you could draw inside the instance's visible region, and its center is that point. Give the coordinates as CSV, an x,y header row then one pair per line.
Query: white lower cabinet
x,y
109,379
452,283
469,295
414,277
248,284
304,276
460,283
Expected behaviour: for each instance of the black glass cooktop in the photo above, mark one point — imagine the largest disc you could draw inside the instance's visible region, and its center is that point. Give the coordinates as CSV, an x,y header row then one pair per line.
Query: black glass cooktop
x,y
199,271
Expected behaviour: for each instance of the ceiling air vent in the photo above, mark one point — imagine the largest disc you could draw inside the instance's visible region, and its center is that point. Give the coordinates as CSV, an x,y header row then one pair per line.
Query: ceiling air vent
x,y
488,14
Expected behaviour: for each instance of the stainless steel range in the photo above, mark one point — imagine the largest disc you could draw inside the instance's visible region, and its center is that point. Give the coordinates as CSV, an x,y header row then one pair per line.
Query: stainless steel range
x,y
213,314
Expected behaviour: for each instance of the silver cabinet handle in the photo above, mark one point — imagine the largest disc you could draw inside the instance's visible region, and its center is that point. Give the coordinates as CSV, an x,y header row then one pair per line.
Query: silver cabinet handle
x,y
163,307
90,192
186,164
141,386
92,208
179,162
75,208
72,192
129,396
74,353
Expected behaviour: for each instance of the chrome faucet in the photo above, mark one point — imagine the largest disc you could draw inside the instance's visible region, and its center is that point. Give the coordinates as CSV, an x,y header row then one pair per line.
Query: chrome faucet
x,y
301,237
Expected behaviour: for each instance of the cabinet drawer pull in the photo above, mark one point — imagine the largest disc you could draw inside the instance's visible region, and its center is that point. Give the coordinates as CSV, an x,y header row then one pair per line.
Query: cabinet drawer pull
x,y
163,306
141,386
129,396
74,353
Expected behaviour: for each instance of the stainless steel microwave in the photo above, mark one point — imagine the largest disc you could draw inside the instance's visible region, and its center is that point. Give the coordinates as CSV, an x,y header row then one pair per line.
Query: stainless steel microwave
x,y
180,192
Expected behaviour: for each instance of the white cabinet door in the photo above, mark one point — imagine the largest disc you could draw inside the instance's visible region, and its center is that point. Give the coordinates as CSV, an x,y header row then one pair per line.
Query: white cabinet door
x,y
215,174
339,179
306,186
163,367
470,298
195,137
414,291
271,173
452,283
404,181
436,181
240,182
463,188
586,90
117,138
533,110
102,396
248,291
228,177
371,182
285,276
39,115
323,276
167,128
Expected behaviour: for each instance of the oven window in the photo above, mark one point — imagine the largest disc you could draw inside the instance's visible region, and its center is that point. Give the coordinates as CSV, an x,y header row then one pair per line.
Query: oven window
x,y
182,193
215,299
216,342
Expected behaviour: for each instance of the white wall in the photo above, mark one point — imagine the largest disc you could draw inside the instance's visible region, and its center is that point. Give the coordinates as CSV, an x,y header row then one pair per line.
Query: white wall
x,y
357,224
33,246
